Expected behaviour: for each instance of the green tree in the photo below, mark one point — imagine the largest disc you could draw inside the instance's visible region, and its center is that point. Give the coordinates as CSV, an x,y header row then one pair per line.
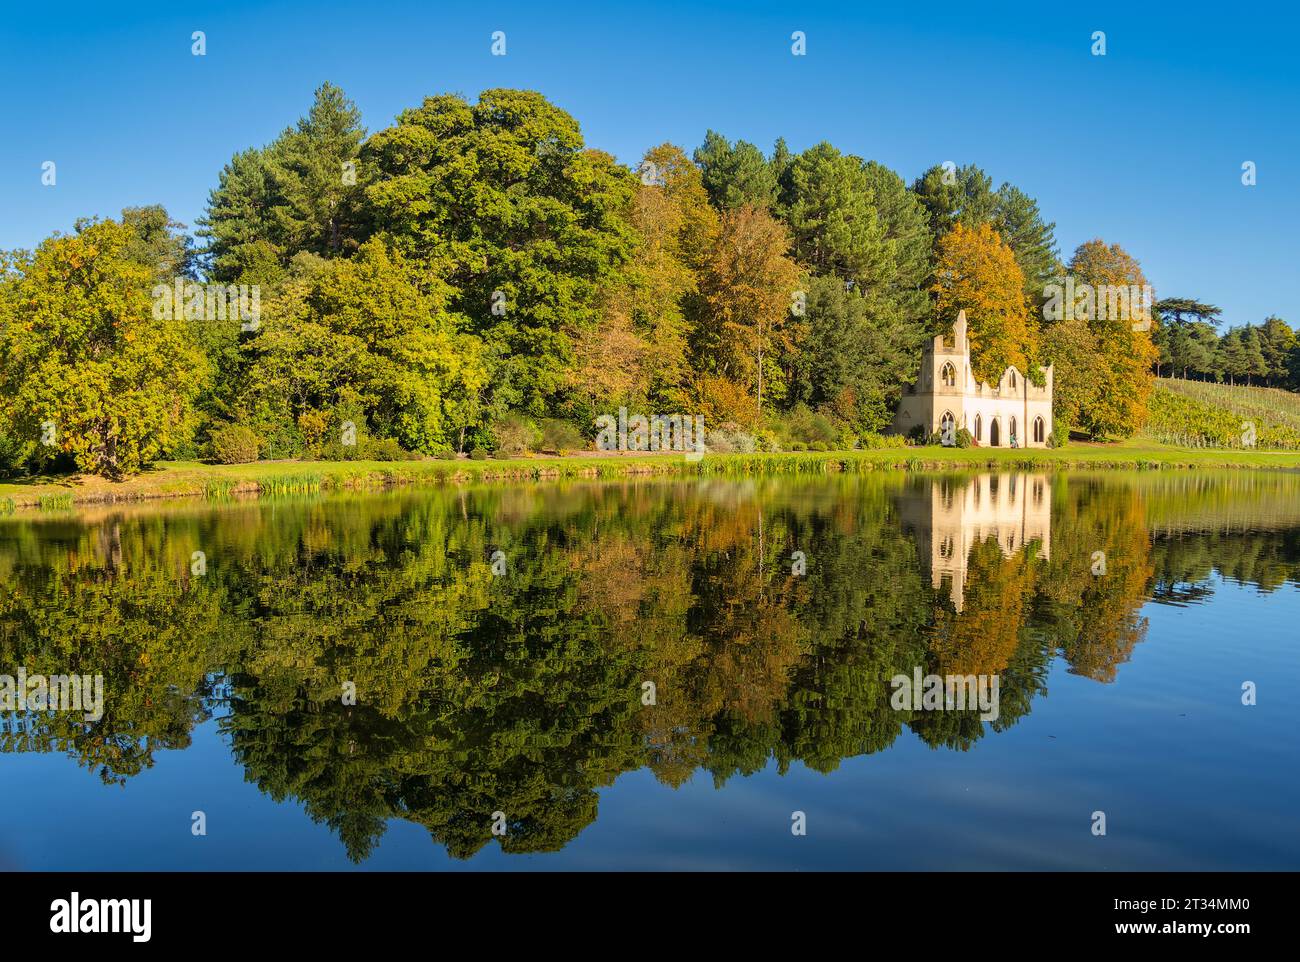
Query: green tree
x,y
372,330
846,360
965,194
1277,340
529,224
85,365
301,193
827,202
737,174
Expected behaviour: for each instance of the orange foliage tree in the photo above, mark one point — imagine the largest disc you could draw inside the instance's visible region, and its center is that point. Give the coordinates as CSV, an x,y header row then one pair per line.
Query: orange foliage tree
x,y
977,272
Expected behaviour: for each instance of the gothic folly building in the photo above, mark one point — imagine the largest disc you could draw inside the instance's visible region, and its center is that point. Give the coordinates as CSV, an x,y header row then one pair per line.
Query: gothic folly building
x,y
946,398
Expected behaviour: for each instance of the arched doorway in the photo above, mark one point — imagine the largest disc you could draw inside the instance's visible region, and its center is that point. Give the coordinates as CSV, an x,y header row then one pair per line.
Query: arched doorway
x,y
995,435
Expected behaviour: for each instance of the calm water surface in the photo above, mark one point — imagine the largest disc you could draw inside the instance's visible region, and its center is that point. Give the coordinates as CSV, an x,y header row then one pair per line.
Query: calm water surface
x,y
1121,616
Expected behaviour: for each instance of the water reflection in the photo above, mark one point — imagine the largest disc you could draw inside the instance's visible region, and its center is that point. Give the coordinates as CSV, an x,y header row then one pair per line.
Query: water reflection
x,y
959,514
523,692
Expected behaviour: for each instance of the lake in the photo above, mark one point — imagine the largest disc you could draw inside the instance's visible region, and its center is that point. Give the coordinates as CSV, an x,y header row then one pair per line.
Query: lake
x,y
666,674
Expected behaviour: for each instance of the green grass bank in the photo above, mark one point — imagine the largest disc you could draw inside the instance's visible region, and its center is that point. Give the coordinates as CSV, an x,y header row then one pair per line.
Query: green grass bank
x,y
188,479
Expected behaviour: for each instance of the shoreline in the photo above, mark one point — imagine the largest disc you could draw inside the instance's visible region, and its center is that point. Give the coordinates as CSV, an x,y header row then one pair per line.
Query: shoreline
x,y
197,480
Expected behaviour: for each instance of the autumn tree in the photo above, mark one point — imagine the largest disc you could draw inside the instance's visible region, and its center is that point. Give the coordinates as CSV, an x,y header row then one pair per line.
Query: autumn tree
x,y
976,272
638,349
964,194
1102,358
747,284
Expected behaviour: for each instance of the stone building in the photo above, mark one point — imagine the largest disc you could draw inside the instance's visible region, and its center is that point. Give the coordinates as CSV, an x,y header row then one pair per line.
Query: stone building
x,y
947,398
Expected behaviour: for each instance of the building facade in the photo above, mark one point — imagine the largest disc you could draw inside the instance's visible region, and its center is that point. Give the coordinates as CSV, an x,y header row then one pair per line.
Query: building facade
x,y
947,398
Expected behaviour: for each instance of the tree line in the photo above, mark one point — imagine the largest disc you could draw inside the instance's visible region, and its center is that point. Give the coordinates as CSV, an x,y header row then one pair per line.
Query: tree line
x,y
475,278
1191,347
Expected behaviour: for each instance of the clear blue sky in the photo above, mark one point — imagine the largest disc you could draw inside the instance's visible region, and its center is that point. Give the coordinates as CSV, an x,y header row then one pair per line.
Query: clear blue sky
x,y
1143,146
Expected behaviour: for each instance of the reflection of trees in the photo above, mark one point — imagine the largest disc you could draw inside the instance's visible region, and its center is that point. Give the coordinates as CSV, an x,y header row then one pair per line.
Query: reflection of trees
x,y
522,693
1092,619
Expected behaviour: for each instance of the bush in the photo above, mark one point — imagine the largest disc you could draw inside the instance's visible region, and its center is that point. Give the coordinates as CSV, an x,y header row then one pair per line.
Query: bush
x,y
964,438
819,446
445,454
233,444
876,441
798,446
13,455
561,437
729,438
478,454
515,435
388,449
803,424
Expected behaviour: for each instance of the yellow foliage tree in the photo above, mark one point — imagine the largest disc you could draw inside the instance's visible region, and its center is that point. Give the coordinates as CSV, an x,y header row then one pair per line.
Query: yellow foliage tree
x,y
638,349
1103,357
748,282
977,273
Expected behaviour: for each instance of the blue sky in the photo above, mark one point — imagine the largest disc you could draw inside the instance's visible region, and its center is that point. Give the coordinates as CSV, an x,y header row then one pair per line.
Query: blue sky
x,y
1143,146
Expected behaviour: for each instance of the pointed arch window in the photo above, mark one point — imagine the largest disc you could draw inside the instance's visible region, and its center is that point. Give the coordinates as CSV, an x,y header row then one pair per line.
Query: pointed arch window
x,y
1013,380
1039,429
948,426
979,428
948,375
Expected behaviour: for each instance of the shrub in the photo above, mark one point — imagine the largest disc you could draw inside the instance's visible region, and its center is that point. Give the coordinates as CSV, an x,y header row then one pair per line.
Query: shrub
x,y
798,446
388,449
233,444
964,438
561,437
515,435
729,438
801,423
876,441
13,455
445,454
183,451
819,446
478,454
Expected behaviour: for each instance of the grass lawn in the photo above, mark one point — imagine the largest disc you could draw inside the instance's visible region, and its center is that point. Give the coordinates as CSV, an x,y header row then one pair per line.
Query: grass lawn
x,y
195,479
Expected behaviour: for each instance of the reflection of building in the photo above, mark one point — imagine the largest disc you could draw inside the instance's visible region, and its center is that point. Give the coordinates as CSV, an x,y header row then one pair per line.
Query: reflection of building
x,y
955,514
946,398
